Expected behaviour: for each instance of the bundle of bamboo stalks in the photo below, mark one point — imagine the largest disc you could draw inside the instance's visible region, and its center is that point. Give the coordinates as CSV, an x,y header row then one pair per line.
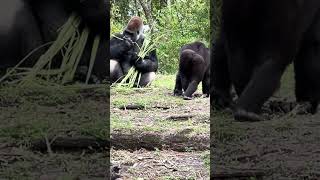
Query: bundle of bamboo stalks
x,y
70,43
150,43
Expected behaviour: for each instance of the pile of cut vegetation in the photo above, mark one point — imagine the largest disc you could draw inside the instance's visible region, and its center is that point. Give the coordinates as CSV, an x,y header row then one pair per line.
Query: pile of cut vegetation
x,y
70,44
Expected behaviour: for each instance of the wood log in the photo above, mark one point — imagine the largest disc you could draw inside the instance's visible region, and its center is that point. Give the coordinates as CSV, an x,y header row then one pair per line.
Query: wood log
x,y
151,141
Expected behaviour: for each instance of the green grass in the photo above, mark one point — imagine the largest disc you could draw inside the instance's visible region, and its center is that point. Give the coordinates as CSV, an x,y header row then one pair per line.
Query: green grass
x,y
225,129
164,82
29,112
147,97
40,109
152,118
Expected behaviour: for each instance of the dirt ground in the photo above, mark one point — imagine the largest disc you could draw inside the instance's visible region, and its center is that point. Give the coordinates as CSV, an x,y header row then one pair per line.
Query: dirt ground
x,y
162,137
53,132
286,146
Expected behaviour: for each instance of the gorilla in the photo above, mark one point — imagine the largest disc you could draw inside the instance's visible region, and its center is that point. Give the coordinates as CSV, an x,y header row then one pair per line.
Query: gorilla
x,y
124,48
194,67
258,40
28,24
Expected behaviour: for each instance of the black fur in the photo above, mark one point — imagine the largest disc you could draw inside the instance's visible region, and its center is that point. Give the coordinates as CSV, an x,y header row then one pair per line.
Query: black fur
x,y
31,23
258,40
194,67
121,49
124,50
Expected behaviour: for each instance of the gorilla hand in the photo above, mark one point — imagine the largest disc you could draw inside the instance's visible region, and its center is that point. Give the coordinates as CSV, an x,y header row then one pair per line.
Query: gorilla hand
x,y
140,64
147,64
128,43
120,45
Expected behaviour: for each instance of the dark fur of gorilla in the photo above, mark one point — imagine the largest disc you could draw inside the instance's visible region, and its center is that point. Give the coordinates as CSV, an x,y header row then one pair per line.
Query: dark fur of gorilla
x,y
124,48
258,40
194,67
28,24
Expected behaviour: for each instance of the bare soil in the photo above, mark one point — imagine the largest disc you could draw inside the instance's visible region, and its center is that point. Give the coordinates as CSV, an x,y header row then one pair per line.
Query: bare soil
x,y
53,132
286,146
158,136
165,164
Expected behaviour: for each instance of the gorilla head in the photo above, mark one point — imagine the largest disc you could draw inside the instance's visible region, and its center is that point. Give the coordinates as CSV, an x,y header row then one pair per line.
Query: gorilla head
x,y
134,29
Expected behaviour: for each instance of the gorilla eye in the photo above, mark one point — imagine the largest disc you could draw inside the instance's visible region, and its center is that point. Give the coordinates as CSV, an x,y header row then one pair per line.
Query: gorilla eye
x,y
138,32
129,33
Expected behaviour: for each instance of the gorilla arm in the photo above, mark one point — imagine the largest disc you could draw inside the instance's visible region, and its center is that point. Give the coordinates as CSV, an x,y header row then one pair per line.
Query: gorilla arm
x,y
119,45
148,64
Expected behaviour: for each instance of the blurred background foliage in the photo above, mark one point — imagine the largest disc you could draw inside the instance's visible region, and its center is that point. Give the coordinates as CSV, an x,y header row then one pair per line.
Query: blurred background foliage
x,y
182,21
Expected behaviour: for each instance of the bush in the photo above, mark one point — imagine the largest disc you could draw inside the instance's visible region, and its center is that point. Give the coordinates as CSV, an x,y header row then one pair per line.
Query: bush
x,y
185,21
182,22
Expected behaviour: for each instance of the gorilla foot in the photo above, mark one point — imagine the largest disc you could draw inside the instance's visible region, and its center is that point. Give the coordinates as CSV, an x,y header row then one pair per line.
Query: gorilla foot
x,y
187,98
243,115
205,95
221,100
177,93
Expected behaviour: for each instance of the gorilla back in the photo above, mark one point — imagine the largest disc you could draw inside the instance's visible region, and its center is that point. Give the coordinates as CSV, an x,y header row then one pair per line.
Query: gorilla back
x,y
19,32
193,68
259,39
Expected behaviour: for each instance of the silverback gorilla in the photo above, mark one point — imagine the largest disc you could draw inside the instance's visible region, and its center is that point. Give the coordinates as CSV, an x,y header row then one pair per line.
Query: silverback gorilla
x,y
28,24
194,67
124,48
258,40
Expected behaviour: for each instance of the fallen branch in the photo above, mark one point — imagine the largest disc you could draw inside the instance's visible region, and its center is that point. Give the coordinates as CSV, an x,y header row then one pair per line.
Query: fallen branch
x,y
132,107
237,174
157,140
183,117
140,107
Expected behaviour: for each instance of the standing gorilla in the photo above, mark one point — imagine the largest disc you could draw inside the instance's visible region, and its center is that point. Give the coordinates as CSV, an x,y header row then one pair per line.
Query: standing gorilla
x,y
194,67
124,48
259,39
28,24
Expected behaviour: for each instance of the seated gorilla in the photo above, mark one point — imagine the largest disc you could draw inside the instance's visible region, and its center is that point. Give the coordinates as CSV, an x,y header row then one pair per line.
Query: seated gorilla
x,y
28,24
194,67
258,40
124,48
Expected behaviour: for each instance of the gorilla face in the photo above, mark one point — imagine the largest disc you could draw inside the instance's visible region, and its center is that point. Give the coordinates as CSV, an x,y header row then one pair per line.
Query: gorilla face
x,y
134,29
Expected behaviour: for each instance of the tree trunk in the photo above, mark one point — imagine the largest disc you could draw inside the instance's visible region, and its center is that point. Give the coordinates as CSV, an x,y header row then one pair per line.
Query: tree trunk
x,y
148,12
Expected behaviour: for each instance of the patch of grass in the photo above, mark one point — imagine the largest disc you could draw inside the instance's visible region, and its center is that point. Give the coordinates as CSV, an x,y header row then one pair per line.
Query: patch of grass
x,y
165,81
177,126
121,90
168,81
160,125
206,159
224,128
121,123
153,118
30,112
147,98
60,166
